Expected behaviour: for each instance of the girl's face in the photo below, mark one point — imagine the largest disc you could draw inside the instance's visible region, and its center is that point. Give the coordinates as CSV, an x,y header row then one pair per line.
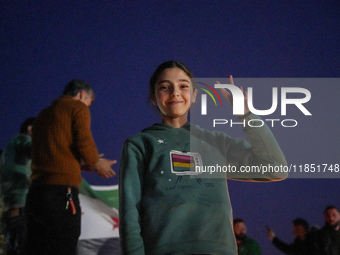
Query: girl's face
x,y
174,94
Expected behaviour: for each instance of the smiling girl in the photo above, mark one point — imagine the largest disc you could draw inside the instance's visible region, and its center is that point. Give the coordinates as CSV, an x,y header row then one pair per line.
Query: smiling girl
x,y
165,206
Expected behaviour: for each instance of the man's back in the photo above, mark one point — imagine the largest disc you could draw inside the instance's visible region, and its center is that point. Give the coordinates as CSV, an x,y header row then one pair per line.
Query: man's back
x,y
61,137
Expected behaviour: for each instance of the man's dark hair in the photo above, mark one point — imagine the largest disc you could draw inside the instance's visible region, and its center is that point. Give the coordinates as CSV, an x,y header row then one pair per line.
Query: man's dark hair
x,y
25,124
238,220
301,222
75,86
330,207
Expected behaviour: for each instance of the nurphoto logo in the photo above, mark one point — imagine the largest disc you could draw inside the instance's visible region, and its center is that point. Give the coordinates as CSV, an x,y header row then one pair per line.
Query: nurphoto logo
x,y
280,97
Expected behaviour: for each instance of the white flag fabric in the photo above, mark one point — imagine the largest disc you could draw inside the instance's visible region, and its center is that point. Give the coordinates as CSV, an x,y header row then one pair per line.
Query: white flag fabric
x,y
99,211
98,220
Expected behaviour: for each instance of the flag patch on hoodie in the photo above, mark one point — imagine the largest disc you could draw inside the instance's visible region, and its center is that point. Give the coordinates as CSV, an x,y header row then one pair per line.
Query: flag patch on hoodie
x,y
185,163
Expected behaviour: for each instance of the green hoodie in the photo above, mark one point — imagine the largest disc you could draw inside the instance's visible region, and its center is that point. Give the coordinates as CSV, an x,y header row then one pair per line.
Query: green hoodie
x,y
15,165
166,207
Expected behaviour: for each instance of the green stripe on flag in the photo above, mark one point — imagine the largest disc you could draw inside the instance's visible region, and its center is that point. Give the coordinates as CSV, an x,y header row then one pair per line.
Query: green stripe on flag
x,y
108,194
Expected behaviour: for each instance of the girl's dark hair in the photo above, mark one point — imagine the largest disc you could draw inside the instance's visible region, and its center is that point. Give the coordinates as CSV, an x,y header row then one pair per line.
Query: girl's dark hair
x,y
162,67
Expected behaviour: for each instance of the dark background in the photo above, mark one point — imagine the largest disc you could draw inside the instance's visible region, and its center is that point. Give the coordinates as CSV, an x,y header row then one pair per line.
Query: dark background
x,y
116,45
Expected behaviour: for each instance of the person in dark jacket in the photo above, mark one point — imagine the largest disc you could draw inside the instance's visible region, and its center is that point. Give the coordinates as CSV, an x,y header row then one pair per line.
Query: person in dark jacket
x,y
328,237
302,244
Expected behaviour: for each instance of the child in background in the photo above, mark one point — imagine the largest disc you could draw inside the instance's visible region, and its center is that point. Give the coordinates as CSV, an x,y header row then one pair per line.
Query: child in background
x,y
165,209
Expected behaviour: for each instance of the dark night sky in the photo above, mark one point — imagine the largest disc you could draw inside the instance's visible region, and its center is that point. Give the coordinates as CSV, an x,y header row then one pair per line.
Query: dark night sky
x,y
116,45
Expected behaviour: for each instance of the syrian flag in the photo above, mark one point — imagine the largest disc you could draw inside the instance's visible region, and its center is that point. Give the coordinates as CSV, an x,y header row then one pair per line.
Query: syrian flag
x,y
99,216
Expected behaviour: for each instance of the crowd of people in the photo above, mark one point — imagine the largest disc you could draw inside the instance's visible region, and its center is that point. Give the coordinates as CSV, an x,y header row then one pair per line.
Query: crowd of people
x,y
307,240
161,196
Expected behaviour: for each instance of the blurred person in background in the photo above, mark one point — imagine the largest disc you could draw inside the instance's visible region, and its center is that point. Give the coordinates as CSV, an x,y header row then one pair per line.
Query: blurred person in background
x,y
303,243
328,237
245,244
15,168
